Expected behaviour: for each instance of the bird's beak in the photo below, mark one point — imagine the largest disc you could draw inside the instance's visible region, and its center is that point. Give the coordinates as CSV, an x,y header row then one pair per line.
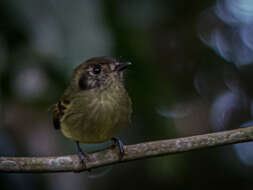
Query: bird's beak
x,y
122,66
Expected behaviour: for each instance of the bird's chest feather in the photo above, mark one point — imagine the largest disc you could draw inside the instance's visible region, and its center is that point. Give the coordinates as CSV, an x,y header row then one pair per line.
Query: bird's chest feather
x,y
109,108
101,117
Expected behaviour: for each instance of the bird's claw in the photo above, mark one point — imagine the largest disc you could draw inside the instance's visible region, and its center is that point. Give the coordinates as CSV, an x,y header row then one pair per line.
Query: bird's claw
x,y
83,156
118,142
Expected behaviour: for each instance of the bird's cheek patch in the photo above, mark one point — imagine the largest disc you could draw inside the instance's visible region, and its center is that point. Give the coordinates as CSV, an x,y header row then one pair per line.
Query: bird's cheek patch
x,y
83,82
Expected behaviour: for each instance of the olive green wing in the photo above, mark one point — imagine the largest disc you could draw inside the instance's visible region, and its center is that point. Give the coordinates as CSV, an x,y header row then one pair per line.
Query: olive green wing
x,y
58,111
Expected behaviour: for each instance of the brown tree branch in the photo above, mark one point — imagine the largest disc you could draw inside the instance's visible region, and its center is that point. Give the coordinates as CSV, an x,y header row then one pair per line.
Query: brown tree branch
x,y
110,156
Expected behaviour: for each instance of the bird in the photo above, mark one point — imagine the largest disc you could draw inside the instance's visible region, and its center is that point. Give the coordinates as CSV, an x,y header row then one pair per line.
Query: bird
x,y
95,106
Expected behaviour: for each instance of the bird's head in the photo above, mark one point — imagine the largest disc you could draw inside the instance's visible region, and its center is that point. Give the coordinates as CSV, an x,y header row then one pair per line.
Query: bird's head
x,y
98,72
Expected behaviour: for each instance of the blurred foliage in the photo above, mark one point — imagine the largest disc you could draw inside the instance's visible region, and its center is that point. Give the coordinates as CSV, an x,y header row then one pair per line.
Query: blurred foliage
x,y
179,86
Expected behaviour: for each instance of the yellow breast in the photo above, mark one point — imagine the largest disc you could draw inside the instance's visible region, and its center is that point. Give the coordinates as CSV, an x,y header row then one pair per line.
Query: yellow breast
x,y
95,119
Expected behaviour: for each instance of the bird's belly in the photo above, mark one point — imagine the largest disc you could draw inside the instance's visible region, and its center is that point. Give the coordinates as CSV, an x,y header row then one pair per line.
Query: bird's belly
x,y
102,122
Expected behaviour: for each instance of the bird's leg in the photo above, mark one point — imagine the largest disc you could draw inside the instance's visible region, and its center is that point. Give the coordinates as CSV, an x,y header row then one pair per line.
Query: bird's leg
x,y
118,142
83,156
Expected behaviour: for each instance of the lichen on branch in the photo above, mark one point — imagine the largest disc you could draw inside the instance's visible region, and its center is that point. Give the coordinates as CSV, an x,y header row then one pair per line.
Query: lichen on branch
x,y
71,163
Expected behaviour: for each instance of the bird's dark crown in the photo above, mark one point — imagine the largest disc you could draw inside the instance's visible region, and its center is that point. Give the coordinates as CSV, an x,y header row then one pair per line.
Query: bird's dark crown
x,y
98,72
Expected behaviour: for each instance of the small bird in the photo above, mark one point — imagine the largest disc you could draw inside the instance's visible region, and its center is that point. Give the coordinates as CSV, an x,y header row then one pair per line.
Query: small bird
x,y
95,106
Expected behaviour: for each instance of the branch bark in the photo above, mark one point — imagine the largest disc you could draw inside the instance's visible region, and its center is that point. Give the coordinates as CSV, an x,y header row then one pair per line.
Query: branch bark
x,y
71,163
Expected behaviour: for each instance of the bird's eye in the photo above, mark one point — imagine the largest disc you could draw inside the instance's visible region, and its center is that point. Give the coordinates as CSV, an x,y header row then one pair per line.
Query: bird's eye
x,y
96,69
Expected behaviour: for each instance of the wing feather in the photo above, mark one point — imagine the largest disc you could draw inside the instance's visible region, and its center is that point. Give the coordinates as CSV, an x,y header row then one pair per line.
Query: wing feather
x,y
58,112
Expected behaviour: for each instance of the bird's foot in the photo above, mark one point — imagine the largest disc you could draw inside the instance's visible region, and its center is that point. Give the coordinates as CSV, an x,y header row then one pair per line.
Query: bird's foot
x,y
83,156
118,142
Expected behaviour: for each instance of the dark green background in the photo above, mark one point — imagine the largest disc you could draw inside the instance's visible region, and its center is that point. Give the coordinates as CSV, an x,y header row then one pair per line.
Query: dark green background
x,y
42,41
